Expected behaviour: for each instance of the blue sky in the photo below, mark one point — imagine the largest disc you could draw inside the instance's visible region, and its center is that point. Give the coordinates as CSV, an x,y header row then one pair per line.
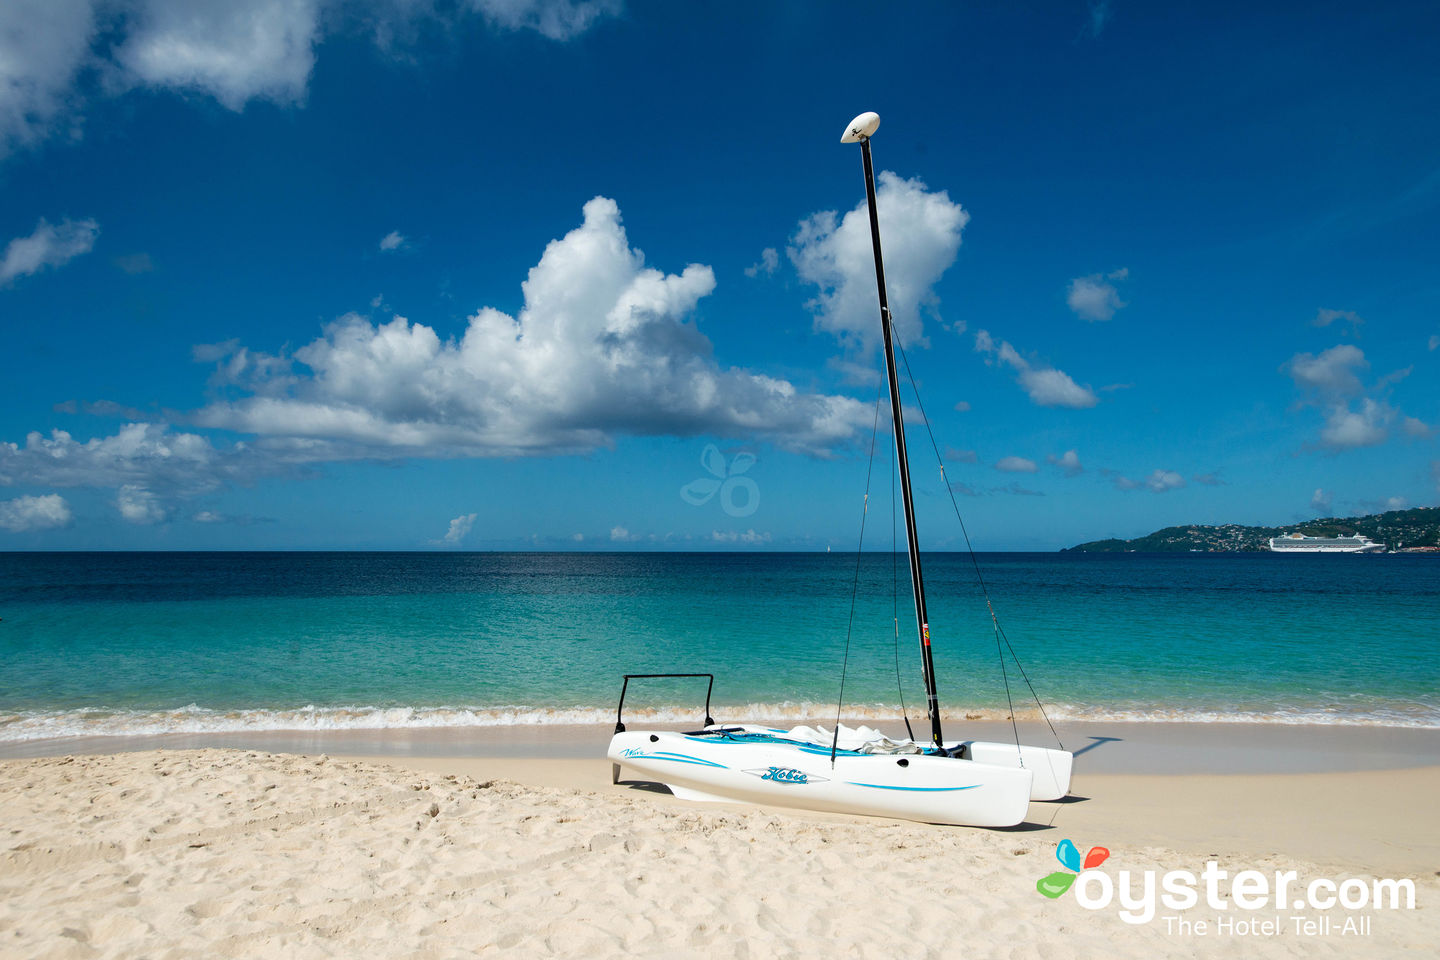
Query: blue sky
x,y
499,274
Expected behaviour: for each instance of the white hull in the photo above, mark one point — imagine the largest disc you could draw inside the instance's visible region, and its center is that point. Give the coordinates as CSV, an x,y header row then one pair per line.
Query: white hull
x,y
756,765
1371,548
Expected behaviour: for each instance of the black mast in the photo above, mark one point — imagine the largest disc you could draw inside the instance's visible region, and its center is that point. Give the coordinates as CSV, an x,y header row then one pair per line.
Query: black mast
x,y
917,583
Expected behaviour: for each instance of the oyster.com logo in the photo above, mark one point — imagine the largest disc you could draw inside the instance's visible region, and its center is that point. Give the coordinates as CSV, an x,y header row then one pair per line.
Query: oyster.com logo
x,y
1069,856
726,480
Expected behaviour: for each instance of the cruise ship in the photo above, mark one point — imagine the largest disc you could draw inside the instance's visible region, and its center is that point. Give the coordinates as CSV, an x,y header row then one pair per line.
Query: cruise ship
x,y
1299,543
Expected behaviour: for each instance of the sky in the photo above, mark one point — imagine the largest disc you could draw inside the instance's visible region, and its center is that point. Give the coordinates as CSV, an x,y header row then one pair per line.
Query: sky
x,y
596,275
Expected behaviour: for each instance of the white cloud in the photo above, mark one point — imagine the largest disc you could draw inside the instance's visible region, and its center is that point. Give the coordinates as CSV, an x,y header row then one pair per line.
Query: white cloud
x,y
1324,317
920,231
600,348
768,264
48,246
1211,479
1346,428
1434,341
233,51
619,534
962,406
393,240
732,536
1415,427
459,528
954,455
1094,297
1320,501
43,45
146,454
1159,481
1331,374
139,505
555,19
1162,480
1015,465
1068,462
35,513
1046,386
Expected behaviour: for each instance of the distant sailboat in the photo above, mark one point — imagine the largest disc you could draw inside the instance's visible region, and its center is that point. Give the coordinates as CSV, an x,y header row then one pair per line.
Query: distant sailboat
x,y
855,771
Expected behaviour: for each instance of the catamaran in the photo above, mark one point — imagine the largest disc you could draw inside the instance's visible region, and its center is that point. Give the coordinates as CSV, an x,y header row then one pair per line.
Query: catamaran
x,y
857,771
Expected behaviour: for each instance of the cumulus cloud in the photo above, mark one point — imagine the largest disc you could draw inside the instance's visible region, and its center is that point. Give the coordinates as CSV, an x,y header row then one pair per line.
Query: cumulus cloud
x,y
769,262
555,19
232,51
1046,386
139,505
1015,465
731,536
1434,341
146,454
459,528
35,513
1354,415
43,45
1068,462
601,347
49,246
393,240
1094,297
235,51
920,230
1331,374
1415,427
1349,318
962,406
1320,501
1159,481
1363,427
619,534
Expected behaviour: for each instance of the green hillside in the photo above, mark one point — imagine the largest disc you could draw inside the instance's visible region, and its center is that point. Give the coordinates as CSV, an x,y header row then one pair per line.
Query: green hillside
x,y
1397,529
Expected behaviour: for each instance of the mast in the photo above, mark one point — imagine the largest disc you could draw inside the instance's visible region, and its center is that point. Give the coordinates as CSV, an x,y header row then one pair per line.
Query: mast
x,y
860,129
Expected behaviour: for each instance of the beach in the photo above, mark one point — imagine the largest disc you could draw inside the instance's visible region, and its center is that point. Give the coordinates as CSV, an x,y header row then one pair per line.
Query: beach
x,y
410,852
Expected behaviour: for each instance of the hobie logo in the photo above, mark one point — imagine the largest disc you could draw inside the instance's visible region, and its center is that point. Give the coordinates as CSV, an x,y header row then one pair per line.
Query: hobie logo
x,y
784,775
1069,856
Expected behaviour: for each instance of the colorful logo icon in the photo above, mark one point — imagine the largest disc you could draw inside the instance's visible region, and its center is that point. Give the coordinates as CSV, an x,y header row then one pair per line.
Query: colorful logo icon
x,y
1069,857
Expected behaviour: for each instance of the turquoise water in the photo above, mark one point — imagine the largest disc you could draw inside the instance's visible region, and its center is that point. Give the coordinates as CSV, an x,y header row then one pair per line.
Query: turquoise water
x,y
152,642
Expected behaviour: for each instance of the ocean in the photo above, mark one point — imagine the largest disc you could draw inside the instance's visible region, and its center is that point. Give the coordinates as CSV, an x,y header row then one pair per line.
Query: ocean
x,y
145,643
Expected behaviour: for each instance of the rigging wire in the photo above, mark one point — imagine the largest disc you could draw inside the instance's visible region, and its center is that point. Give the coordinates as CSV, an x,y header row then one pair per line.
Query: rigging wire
x,y
980,578
895,589
855,584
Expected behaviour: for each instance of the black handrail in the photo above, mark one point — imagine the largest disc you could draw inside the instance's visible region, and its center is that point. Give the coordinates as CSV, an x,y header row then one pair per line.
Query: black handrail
x,y
620,724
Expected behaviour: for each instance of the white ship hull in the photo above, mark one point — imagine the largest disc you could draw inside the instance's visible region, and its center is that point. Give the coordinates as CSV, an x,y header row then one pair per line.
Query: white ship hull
x,y
753,764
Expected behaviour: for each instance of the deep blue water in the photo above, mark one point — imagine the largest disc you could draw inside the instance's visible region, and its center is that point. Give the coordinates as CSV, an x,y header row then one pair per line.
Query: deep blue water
x,y
145,642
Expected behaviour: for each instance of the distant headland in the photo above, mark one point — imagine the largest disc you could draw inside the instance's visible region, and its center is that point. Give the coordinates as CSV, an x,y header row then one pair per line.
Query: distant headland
x,y
1417,529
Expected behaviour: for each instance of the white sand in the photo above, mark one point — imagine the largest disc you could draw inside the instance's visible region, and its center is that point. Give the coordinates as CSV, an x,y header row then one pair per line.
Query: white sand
x,y
231,854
